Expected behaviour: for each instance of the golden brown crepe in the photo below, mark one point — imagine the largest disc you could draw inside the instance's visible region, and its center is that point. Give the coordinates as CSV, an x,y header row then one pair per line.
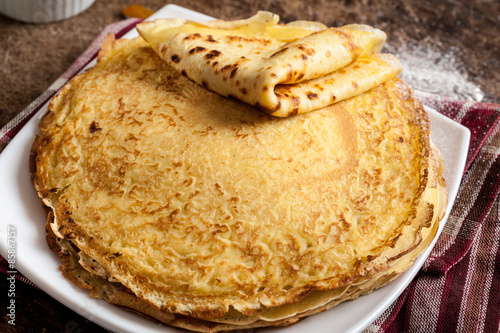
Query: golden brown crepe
x,y
206,214
283,69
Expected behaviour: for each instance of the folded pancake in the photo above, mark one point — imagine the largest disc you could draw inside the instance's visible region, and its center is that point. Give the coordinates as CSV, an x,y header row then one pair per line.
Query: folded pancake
x,y
283,69
206,214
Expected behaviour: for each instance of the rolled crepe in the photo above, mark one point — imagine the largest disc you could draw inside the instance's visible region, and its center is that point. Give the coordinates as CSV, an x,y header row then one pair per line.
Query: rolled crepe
x,y
282,69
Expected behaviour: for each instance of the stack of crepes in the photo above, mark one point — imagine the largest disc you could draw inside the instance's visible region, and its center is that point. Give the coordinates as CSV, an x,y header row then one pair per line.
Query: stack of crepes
x,y
203,212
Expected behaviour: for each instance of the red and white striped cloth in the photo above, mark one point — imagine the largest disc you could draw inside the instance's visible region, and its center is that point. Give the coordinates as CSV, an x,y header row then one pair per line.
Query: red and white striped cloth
x,y
458,288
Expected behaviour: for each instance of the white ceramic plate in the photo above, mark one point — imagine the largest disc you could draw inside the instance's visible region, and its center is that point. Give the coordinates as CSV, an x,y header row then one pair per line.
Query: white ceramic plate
x,y
21,208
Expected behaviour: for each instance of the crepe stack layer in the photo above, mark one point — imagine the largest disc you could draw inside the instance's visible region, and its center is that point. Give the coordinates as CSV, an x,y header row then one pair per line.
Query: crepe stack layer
x,y
207,214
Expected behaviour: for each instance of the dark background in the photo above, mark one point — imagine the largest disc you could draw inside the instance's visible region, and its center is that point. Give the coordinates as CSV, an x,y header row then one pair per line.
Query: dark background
x,y
460,38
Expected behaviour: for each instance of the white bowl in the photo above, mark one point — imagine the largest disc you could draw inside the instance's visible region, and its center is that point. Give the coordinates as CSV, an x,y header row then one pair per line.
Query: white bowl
x,y
43,11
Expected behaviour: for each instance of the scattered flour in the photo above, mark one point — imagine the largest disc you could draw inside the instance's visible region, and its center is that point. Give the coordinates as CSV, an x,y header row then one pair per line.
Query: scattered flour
x,y
430,71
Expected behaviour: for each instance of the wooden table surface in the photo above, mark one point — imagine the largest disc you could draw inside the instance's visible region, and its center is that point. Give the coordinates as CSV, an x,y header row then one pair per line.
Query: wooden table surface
x,y
458,39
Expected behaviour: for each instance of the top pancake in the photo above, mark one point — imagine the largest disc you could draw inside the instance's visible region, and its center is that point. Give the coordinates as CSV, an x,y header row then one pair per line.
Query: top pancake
x,y
200,204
